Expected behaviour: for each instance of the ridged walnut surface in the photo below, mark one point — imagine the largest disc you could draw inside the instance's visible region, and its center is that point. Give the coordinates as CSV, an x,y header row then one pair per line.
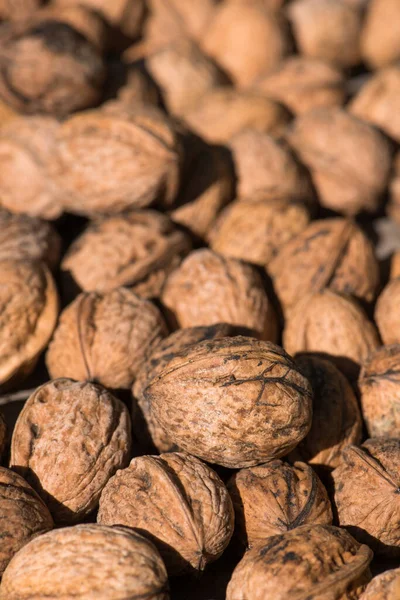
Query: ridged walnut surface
x,y
385,586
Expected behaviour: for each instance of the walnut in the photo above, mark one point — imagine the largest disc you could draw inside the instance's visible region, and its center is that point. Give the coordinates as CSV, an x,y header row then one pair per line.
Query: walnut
x,y
395,265
380,40
118,320
215,400
332,324
267,167
386,315
137,88
336,420
290,496
138,249
3,434
393,208
117,158
302,84
223,112
256,231
27,145
327,29
208,288
385,586
367,493
11,10
349,160
28,316
69,439
312,561
332,253
86,561
194,520
22,515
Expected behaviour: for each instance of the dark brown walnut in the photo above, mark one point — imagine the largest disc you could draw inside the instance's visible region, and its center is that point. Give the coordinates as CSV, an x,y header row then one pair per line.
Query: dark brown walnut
x,y
380,40
329,253
302,84
387,315
236,402
86,561
22,515
11,10
28,316
379,384
367,496
177,502
105,338
336,421
328,30
117,158
385,586
138,249
223,112
27,145
208,288
3,434
69,439
349,159
393,207
332,324
313,561
274,498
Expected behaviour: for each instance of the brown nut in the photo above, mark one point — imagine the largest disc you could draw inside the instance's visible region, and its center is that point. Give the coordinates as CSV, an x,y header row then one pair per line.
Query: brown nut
x,y
349,159
386,315
193,520
336,419
86,561
69,439
22,515
105,338
380,40
367,493
208,288
11,10
138,249
395,265
224,401
29,311
393,208
3,434
311,562
332,253
137,86
290,496
385,586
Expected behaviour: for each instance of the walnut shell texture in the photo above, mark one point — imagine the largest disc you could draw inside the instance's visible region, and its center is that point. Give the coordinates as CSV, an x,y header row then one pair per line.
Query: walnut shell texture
x,y
86,561
380,40
386,313
105,338
274,498
69,439
236,401
22,515
385,586
313,561
208,289
176,501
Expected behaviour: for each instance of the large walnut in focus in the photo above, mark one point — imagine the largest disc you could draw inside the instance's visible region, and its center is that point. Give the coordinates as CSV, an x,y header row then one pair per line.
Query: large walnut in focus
x,y
137,250
22,515
349,159
385,586
86,561
367,496
387,315
208,288
69,439
105,338
312,561
276,497
194,519
224,401
380,40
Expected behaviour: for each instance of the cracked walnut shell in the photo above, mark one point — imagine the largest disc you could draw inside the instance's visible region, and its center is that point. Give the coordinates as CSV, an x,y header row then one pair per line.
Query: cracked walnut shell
x,y
176,501
385,586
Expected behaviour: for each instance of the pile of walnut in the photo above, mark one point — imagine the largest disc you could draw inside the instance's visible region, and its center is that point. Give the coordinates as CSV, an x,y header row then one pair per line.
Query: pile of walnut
x,y
199,333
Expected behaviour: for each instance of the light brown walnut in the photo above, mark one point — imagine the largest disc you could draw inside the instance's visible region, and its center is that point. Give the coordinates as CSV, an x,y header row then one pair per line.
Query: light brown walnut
x,y
380,40
387,315
385,586
393,207
11,10
3,434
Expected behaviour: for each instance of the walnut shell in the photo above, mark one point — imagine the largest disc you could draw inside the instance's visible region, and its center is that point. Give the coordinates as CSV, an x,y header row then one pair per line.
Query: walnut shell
x,y
11,10
393,207
215,400
22,515
367,493
208,288
336,420
86,561
290,496
105,338
193,520
385,586
349,159
386,315
302,83
3,434
137,88
29,311
380,40
256,231
395,265
69,439
332,253
138,249
311,562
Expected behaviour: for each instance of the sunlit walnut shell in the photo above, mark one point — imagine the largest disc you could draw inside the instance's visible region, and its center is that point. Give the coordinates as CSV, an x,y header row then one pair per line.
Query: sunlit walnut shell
x,y
387,315
380,40
385,586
